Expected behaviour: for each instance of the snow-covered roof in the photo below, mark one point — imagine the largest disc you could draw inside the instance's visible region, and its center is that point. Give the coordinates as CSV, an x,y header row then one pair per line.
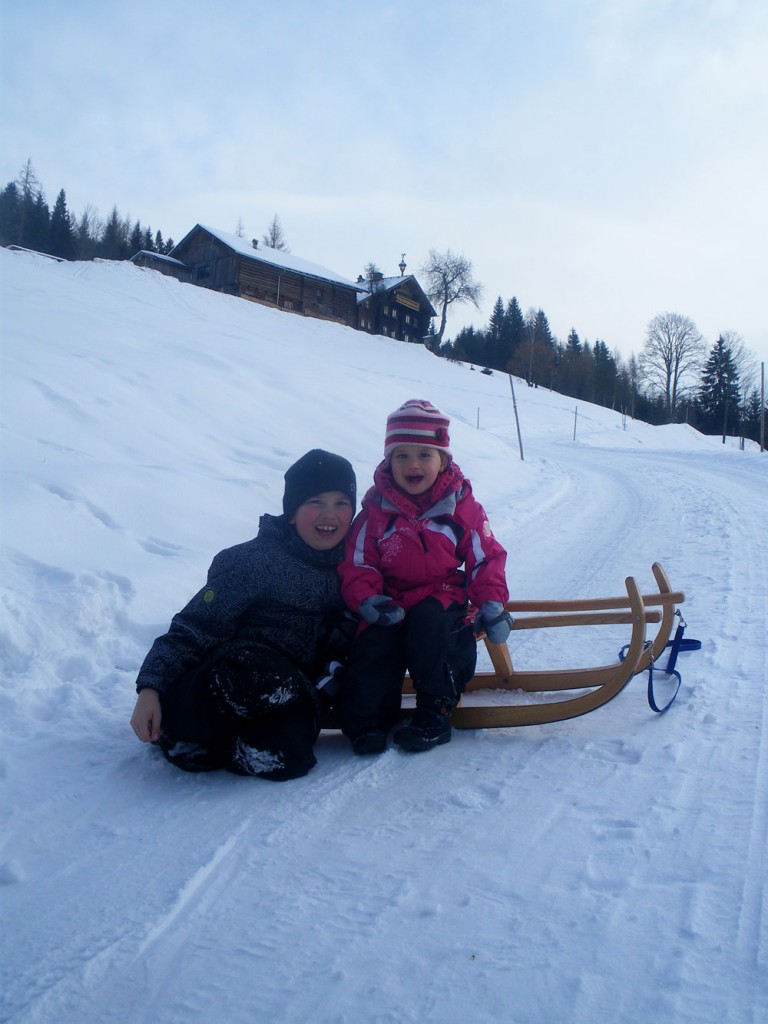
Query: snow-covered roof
x,y
158,256
276,257
35,252
388,284
385,284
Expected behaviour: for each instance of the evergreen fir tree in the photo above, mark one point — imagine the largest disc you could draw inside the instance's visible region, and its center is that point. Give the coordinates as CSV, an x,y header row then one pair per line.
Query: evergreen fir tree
x,y
495,335
61,240
114,242
751,416
38,223
719,394
471,346
605,375
541,330
542,352
10,215
571,368
136,241
514,333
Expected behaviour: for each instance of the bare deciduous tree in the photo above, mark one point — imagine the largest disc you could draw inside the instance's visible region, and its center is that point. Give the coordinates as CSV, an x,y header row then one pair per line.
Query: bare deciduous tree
x,y
274,238
448,280
745,361
673,351
372,274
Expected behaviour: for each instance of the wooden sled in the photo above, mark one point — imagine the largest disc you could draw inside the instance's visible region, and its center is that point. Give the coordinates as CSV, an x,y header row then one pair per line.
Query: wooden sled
x,y
601,683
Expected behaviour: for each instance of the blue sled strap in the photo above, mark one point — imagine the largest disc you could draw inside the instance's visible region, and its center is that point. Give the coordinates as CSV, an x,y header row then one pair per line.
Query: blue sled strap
x,y
675,646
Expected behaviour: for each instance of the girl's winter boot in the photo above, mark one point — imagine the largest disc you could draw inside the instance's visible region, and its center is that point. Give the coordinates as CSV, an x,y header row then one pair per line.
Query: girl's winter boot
x,y
429,727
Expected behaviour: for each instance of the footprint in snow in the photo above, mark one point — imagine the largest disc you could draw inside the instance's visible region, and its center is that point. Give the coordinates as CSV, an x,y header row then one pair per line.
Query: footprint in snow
x,y
613,750
12,872
155,546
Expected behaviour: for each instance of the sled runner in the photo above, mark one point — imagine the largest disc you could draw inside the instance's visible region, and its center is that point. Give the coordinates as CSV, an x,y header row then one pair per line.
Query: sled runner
x,y
594,686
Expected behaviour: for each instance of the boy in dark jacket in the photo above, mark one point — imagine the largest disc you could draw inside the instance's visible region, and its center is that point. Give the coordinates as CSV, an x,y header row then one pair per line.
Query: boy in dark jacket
x,y
402,574
232,683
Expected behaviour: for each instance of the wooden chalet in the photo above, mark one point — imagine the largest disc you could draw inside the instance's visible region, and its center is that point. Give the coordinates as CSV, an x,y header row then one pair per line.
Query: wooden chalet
x,y
393,306
165,264
250,270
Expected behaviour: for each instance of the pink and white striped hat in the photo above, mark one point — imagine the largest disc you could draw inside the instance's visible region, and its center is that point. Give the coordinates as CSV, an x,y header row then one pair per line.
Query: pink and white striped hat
x,y
417,422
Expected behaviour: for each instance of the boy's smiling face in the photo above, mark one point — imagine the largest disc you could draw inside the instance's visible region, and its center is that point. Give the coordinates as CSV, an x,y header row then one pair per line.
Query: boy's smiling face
x,y
323,520
415,468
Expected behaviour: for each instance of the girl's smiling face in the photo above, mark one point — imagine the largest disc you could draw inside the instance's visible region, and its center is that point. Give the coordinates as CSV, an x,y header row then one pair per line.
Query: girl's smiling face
x,y
323,520
415,468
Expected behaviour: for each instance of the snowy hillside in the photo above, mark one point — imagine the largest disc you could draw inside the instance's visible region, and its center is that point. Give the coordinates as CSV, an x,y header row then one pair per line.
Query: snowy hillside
x,y
608,868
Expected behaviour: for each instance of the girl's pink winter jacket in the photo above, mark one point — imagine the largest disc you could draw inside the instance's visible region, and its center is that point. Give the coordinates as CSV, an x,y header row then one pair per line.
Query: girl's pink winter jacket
x,y
409,554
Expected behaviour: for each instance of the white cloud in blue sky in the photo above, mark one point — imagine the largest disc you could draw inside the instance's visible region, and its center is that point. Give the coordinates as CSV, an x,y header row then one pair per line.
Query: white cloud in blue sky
x,y
601,160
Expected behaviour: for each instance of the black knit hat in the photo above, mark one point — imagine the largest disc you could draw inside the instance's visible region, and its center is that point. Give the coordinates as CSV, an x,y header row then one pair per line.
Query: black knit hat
x,y
315,473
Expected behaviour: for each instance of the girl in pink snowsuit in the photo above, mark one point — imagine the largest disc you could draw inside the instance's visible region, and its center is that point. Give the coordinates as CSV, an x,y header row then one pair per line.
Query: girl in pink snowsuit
x,y
420,549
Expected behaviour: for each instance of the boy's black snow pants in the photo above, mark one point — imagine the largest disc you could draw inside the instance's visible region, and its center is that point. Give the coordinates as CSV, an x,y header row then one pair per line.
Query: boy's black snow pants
x,y
247,709
435,645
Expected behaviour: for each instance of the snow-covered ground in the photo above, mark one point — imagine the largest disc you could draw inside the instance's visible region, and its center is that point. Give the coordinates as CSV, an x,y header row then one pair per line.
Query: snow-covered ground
x,y
612,867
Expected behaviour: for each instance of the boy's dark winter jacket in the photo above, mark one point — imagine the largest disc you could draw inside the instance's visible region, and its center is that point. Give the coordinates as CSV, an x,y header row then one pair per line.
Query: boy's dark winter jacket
x,y
274,590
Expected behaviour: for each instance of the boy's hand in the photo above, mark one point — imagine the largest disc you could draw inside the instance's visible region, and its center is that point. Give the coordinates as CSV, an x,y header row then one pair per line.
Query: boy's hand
x,y
493,620
381,610
147,716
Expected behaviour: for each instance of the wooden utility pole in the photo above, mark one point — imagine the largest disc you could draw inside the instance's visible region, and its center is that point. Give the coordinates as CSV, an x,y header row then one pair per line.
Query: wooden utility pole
x,y
517,418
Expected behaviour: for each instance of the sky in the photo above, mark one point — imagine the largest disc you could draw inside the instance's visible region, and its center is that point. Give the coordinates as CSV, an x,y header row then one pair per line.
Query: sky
x,y
603,160
608,867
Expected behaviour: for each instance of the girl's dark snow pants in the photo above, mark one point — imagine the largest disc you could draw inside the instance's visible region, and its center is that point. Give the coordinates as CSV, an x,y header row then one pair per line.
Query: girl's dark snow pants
x,y
433,644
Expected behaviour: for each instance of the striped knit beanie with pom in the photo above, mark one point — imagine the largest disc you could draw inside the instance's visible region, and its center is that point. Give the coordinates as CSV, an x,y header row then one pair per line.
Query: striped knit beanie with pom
x,y
417,422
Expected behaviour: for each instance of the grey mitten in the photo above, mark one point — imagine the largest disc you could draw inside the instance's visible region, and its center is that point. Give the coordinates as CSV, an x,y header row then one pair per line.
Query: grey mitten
x,y
494,620
381,610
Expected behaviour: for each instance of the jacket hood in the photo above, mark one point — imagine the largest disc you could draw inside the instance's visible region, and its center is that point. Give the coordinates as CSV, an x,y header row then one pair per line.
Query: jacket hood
x,y
441,498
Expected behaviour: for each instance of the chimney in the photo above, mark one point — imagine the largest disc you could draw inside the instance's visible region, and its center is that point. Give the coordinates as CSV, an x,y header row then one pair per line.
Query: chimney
x,y
255,243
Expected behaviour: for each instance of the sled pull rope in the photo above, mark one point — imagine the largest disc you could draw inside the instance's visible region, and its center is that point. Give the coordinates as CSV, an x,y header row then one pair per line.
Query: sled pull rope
x,y
675,645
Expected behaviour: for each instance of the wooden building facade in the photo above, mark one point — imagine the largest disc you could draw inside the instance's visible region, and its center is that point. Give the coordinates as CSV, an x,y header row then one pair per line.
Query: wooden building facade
x,y
230,264
165,264
393,306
